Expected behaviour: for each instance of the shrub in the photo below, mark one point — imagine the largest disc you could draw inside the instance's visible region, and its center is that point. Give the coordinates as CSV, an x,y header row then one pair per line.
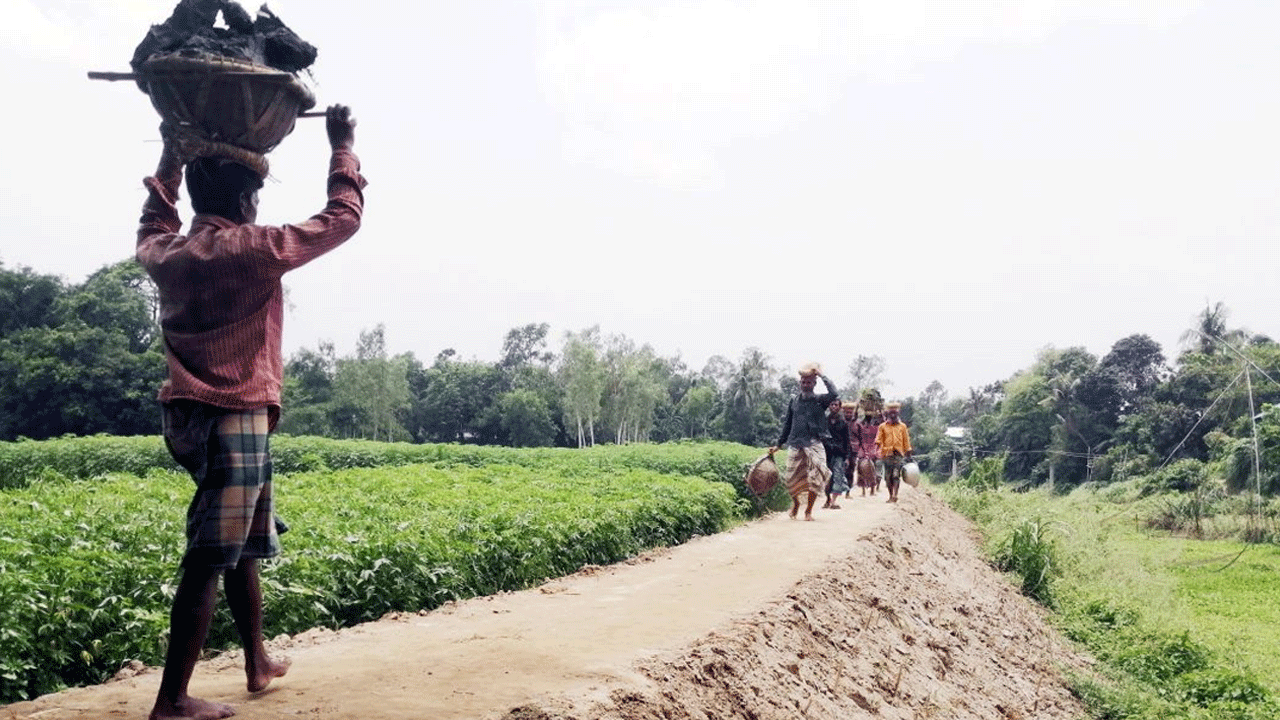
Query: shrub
x,y
1159,657
1031,552
982,475
1181,476
1208,687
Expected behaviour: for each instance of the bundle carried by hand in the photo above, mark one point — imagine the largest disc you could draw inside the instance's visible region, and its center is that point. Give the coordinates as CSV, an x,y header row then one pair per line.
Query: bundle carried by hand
x,y
762,475
225,91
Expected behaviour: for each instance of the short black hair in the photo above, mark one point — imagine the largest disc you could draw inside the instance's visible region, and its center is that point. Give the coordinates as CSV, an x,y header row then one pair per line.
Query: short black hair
x,y
217,184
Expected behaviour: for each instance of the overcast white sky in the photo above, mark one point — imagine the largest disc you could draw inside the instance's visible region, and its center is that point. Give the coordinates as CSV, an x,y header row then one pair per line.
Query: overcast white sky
x,y
949,184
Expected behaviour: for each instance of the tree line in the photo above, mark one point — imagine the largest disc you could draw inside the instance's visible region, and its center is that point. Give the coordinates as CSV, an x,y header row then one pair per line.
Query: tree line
x,y
87,358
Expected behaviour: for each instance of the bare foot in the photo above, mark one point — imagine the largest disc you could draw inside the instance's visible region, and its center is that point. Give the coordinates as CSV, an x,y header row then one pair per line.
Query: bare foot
x,y
792,514
270,670
808,517
189,708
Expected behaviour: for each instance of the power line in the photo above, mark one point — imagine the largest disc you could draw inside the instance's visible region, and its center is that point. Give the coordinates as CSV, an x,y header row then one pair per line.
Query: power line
x,y
1199,420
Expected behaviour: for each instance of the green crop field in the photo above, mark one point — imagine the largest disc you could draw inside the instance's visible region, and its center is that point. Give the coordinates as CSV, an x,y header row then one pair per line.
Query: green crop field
x,y
88,561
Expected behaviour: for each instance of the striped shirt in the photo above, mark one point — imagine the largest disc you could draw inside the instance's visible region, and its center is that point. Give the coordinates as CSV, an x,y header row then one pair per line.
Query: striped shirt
x,y
221,298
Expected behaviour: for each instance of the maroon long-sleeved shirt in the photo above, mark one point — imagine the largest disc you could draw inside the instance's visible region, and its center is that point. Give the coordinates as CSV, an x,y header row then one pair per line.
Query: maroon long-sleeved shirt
x,y
221,299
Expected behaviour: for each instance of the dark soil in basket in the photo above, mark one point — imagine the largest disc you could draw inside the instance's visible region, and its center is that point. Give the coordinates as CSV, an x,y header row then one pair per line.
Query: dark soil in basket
x,y
264,40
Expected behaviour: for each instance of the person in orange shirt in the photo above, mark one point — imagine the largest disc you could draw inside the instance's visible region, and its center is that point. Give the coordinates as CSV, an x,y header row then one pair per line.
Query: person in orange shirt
x,y
893,444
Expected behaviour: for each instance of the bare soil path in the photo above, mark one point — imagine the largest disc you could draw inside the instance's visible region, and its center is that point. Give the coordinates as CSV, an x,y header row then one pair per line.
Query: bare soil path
x,y
873,610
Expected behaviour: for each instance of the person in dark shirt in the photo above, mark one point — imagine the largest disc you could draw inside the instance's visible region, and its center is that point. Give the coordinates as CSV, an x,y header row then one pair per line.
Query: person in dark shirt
x,y
836,444
849,410
803,430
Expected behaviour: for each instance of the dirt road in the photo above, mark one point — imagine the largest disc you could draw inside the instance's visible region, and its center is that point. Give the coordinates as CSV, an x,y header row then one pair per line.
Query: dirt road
x,y
874,610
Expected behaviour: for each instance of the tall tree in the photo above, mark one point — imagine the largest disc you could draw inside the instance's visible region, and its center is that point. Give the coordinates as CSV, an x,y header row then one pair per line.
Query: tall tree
x,y
1072,445
308,392
866,371
78,359
718,371
79,380
747,415
29,299
375,385
632,389
1210,329
934,397
457,404
1025,425
1139,366
119,297
526,345
526,419
582,376
697,408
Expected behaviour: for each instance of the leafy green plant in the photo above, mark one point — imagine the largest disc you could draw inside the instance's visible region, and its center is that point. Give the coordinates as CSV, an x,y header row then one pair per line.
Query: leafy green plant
x,y
87,569
984,475
1181,476
84,458
1030,551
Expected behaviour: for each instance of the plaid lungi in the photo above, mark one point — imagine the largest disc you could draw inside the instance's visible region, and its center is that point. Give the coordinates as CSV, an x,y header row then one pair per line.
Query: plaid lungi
x,y
893,469
807,470
229,457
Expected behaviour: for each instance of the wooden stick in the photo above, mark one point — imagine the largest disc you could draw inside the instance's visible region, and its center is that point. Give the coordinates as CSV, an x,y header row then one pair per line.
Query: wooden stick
x,y
190,74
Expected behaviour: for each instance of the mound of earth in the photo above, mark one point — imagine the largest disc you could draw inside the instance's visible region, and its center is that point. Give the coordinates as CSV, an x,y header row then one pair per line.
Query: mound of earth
x,y
873,611
194,28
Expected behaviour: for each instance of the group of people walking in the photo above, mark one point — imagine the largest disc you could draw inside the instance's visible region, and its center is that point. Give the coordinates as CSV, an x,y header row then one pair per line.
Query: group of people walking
x,y
830,446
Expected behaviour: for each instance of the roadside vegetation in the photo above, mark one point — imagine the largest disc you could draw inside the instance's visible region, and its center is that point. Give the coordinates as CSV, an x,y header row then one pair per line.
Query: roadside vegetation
x,y
1181,627
1115,488
88,565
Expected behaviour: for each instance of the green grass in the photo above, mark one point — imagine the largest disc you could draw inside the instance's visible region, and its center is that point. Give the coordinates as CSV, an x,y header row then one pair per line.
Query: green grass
x,y
1176,634
1232,606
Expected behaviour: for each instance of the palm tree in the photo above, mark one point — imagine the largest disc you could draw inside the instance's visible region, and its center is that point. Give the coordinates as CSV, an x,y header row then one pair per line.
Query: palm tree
x,y
746,391
1210,328
747,385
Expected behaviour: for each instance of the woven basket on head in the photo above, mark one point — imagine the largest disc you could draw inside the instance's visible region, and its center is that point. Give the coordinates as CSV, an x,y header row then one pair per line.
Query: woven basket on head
x,y
871,401
225,100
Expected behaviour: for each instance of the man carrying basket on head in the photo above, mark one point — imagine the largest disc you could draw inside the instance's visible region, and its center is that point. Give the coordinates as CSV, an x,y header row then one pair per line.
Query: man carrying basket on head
x,y
803,431
893,443
862,440
221,307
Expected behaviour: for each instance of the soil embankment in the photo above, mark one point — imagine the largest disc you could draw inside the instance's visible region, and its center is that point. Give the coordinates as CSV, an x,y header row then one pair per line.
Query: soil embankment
x,y
874,610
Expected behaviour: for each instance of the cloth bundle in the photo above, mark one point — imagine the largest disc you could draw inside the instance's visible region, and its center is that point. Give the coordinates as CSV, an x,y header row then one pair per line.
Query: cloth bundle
x,y
189,145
